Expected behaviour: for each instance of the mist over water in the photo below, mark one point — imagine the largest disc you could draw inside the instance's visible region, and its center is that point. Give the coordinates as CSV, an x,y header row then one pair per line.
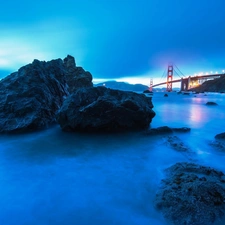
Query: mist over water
x,y
52,177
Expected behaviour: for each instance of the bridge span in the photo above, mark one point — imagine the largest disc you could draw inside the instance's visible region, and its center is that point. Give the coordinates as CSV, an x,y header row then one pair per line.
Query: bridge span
x,y
186,82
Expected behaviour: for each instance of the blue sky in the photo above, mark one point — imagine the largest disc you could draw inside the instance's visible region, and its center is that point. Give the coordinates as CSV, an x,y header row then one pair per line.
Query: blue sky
x,y
120,39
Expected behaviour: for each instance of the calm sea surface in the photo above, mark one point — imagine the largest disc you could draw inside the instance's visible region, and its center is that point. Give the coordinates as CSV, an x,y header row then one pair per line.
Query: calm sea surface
x,y
54,178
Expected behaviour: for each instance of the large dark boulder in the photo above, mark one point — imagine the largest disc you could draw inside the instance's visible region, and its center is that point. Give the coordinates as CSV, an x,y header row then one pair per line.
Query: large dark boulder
x,y
30,97
192,194
104,109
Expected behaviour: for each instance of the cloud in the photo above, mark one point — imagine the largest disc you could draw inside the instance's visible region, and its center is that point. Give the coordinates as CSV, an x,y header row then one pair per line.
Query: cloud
x,y
44,40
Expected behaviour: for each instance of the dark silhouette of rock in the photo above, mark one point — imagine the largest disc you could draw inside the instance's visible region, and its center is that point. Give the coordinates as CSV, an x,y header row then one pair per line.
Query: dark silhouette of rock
x,y
147,92
104,109
166,130
30,98
192,194
211,103
220,136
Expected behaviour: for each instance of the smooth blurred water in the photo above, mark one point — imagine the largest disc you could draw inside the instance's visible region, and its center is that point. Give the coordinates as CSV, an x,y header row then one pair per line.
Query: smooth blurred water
x,y
52,177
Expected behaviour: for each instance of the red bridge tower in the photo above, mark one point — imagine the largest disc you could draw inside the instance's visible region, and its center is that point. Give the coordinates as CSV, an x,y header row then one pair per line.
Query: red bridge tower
x,y
169,78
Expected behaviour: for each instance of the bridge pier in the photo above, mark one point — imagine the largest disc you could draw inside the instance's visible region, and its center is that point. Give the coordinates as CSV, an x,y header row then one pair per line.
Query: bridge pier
x,y
185,83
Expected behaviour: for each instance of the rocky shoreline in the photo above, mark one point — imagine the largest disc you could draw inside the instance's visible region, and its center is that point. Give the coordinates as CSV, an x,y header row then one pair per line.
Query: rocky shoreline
x,y
44,93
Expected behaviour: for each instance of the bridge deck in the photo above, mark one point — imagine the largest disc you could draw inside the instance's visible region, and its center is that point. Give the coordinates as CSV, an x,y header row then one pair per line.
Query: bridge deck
x,y
191,77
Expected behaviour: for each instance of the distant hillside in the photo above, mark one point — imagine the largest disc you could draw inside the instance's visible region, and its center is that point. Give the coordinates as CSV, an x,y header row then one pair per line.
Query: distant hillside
x,y
123,86
217,85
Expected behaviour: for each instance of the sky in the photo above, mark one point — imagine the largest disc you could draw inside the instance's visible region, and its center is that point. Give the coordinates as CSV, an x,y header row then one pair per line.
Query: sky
x,y
124,40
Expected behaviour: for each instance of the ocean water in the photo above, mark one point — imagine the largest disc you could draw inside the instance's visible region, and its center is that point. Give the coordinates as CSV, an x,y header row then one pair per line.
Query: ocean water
x,y
53,178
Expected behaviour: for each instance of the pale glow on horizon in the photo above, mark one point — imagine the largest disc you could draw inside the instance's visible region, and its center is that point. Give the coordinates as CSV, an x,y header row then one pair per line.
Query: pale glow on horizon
x,y
137,80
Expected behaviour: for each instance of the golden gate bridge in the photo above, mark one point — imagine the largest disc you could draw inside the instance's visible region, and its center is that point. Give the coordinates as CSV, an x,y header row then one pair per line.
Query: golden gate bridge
x,y
186,82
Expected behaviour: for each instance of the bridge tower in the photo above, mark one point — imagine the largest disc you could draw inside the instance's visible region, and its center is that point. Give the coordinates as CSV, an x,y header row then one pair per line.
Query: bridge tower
x,y
169,77
151,83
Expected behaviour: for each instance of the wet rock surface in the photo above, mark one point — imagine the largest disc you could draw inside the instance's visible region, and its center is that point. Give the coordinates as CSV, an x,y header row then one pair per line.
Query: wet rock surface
x,y
177,144
218,145
192,194
211,103
30,97
104,109
220,136
165,130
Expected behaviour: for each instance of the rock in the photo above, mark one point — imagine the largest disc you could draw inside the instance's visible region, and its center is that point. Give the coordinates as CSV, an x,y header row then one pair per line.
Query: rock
x,y
220,136
192,194
166,130
211,103
159,131
218,145
147,92
30,98
76,77
182,129
177,144
104,109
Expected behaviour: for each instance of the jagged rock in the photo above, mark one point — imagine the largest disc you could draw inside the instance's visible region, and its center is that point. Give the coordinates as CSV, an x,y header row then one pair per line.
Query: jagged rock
x,y
211,103
76,77
104,109
192,194
30,98
220,136
166,130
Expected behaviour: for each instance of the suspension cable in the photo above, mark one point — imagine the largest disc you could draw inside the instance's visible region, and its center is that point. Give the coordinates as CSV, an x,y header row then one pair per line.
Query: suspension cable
x,y
179,71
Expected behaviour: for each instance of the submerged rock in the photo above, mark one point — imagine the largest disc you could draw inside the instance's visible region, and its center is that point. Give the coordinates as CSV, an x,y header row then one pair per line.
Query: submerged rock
x,y
104,109
220,136
192,194
177,144
218,145
30,97
211,103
